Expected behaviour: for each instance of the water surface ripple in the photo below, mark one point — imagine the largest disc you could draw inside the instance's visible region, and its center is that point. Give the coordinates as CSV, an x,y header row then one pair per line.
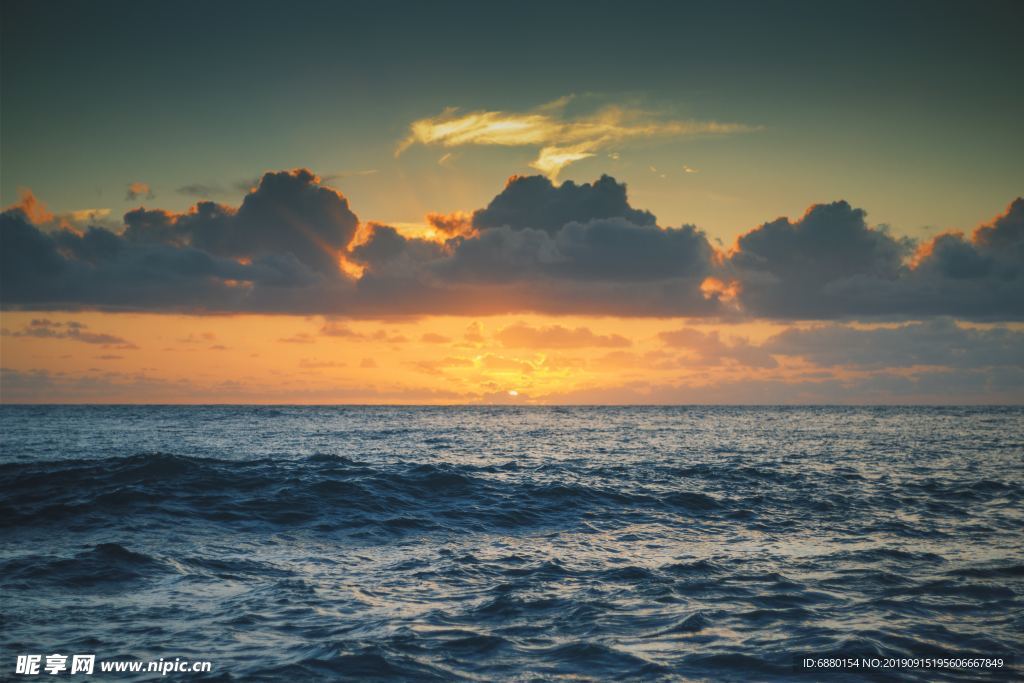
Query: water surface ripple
x,y
708,543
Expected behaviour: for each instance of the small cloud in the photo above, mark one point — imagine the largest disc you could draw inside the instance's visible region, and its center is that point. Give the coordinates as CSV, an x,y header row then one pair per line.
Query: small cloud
x,y
332,329
433,338
300,338
474,333
341,175
138,190
689,169
33,207
85,215
446,159
71,330
246,184
201,190
389,337
501,364
314,364
367,363
521,335
452,224
198,338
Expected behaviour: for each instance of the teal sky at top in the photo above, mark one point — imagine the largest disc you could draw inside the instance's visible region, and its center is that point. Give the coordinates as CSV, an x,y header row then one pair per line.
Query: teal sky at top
x,y
911,110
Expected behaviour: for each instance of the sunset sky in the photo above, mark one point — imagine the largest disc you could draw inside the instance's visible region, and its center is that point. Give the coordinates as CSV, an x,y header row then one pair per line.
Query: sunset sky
x,y
396,202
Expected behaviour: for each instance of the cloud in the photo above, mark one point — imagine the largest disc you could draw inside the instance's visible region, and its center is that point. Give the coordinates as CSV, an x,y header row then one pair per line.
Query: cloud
x,y
504,364
561,140
940,342
535,202
710,349
521,335
75,331
138,190
202,190
298,338
333,329
452,224
279,251
38,214
794,268
831,264
434,338
292,247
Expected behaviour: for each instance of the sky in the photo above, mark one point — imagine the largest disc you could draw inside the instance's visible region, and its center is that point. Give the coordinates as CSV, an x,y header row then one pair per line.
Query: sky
x,y
455,202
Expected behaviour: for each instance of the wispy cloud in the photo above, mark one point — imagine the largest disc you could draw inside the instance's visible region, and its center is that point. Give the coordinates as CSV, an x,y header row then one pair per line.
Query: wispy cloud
x,y
561,139
72,330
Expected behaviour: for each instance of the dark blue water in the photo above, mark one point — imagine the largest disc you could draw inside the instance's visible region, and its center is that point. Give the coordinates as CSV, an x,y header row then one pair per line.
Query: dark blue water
x,y
296,543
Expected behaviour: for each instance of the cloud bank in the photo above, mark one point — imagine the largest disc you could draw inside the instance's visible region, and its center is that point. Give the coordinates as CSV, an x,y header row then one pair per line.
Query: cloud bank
x,y
294,246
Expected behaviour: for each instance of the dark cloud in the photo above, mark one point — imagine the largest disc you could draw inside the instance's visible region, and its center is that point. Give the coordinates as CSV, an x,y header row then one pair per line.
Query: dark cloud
x,y
278,252
73,330
831,264
606,265
288,214
939,342
535,202
807,267
537,247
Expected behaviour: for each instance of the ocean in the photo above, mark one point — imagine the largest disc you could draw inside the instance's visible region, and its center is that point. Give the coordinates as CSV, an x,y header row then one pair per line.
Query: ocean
x,y
511,543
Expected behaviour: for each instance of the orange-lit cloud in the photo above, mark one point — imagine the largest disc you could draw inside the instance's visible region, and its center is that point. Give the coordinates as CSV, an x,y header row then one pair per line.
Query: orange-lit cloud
x,y
37,212
560,139
138,190
177,358
521,335
32,206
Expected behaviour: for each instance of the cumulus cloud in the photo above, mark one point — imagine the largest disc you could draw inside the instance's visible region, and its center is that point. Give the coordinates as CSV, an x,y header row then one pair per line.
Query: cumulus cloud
x,y
294,246
830,264
561,140
535,202
278,251
804,268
